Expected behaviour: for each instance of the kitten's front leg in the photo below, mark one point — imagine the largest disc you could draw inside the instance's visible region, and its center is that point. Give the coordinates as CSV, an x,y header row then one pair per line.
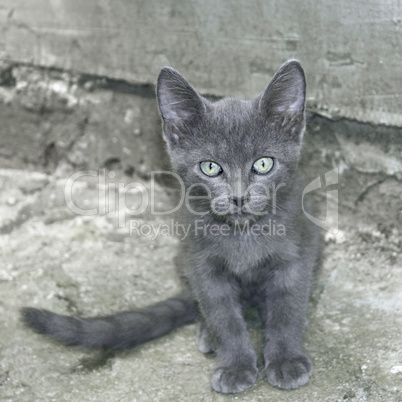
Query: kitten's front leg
x,y
218,298
283,311
204,341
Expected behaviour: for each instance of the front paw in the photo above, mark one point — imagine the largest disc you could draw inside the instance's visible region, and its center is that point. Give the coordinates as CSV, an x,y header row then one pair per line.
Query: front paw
x,y
231,380
289,373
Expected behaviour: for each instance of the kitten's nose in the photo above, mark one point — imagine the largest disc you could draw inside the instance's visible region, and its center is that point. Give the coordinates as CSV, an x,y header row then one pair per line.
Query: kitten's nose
x,y
238,201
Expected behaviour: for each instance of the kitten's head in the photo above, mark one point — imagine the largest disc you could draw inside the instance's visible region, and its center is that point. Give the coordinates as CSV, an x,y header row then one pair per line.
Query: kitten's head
x,y
232,153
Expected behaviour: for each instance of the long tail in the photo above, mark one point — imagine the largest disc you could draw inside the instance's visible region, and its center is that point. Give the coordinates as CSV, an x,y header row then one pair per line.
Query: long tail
x,y
120,331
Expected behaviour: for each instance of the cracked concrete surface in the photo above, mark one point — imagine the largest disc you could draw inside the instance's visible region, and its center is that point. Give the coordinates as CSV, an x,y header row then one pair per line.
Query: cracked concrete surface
x,y
87,265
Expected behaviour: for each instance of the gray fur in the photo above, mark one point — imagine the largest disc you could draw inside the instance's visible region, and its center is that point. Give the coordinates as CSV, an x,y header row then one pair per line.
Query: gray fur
x,y
237,263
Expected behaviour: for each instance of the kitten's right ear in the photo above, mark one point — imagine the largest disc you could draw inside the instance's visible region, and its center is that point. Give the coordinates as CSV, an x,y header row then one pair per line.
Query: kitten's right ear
x,y
179,104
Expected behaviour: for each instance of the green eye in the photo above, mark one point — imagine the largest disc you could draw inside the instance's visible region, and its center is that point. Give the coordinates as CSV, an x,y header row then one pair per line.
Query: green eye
x,y
210,169
263,165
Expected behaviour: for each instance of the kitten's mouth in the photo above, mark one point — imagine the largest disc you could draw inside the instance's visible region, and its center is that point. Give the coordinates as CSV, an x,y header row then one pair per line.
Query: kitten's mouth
x,y
236,211
239,216
240,219
245,211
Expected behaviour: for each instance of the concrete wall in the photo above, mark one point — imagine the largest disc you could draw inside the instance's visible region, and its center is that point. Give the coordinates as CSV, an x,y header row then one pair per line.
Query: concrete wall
x,y
351,50
52,120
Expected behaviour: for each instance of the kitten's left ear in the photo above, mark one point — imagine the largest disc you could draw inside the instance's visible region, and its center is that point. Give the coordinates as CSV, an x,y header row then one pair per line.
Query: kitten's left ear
x,y
283,102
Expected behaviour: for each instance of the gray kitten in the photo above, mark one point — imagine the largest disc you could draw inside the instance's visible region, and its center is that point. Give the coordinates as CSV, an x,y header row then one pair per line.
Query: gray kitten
x,y
249,241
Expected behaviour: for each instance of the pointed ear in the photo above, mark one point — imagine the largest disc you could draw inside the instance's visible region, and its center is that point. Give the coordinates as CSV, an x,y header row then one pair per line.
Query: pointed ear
x,y
283,102
179,104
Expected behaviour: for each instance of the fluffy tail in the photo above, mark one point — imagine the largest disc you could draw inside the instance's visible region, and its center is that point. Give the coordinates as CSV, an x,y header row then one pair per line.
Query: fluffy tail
x,y
120,331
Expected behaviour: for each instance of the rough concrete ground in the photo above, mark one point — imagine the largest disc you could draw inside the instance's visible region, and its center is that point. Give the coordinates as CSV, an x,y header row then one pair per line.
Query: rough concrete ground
x,y
87,265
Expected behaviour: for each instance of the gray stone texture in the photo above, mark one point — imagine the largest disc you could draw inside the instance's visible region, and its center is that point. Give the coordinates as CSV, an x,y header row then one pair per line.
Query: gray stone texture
x,y
351,50
53,118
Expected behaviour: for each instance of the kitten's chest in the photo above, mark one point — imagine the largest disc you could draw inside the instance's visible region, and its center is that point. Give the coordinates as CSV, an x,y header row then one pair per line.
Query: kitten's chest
x,y
242,253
